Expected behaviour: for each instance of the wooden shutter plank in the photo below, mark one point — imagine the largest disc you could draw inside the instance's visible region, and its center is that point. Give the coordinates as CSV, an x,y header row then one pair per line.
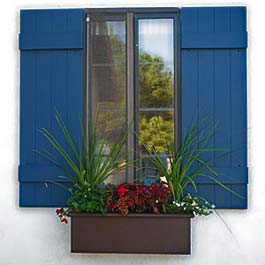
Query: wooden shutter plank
x,y
239,109
222,19
223,197
205,19
222,106
75,80
207,192
189,88
27,114
189,20
43,101
206,94
238,19
41,195
237,202
27,21
59,92
59,22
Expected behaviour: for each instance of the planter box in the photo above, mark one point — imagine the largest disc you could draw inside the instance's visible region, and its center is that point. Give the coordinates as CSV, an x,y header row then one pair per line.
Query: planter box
x,y
135,233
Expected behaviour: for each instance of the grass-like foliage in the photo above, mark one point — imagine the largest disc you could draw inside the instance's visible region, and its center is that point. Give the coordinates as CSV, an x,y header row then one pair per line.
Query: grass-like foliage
x,y
186,164
85,163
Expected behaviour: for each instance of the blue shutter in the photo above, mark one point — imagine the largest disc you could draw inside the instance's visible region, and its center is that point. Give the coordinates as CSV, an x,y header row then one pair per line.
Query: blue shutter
x,y
214,42
51,78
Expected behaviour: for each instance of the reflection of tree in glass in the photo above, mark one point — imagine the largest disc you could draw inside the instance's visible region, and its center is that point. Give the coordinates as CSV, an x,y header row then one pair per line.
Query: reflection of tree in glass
x,y
157,131
156,91
156,82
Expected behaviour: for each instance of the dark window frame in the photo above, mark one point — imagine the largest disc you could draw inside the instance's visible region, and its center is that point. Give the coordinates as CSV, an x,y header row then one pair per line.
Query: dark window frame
x,y
132,15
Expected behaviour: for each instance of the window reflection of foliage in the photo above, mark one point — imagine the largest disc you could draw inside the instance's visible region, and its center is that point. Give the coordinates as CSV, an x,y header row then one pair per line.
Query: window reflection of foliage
x,y
156,91
156,82
157,131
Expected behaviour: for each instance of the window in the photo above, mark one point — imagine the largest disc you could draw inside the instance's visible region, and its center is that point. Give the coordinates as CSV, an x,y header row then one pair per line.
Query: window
x,y
132,79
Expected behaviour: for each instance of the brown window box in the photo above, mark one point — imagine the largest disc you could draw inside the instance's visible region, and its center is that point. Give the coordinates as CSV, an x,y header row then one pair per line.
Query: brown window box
x,y
135,233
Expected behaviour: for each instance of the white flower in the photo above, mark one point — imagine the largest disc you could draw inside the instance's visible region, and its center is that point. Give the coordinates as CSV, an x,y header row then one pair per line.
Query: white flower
x,y
177,204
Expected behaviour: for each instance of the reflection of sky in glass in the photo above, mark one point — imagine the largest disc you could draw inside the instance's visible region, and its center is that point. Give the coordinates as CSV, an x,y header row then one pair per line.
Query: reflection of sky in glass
x,y
156,38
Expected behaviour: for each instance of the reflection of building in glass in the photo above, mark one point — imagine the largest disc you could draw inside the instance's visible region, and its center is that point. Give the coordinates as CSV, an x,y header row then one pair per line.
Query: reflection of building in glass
x,y
103,64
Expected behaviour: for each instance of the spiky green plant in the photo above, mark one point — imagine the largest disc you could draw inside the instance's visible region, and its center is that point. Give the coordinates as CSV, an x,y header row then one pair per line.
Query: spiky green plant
x,y
186,164
87,164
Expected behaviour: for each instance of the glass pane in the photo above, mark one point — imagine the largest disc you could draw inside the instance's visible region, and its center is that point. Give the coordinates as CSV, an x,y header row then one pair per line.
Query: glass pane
x,y
156,131
109,124
156,91
108,81
109,84
108,69
156,63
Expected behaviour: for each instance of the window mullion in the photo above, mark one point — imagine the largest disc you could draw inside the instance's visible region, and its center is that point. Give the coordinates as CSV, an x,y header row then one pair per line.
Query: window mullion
x,y
130,94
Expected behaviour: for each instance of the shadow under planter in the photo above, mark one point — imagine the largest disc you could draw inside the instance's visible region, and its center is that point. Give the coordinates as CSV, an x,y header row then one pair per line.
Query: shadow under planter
x,y
135,233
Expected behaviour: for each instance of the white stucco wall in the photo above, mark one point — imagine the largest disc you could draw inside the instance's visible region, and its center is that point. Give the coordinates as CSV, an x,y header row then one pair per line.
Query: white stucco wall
x,y
36,237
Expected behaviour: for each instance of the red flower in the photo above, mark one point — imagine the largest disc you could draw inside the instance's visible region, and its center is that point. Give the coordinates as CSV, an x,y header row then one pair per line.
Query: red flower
x,y
121,191
130,202
141,188
58,211
64,220
138,198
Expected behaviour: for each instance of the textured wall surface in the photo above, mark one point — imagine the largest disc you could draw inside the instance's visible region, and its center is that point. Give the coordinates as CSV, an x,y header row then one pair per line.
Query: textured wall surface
x,y
34,236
